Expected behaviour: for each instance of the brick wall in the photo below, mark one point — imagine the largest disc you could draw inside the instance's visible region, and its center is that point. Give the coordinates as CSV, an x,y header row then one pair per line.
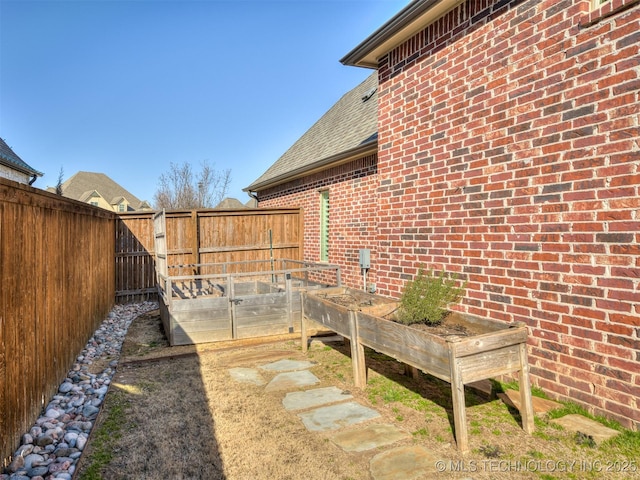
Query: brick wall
x,y
509,152
352,213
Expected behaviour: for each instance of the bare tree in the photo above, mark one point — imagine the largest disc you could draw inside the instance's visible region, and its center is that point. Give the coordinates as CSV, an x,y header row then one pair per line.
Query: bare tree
x,y
181,188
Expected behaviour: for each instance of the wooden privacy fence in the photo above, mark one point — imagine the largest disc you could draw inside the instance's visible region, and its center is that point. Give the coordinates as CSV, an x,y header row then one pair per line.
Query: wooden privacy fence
x,y
58,279
196,237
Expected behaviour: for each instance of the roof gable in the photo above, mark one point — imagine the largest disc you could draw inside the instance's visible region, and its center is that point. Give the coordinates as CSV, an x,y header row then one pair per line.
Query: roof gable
x,y
118,200
351,124
89,194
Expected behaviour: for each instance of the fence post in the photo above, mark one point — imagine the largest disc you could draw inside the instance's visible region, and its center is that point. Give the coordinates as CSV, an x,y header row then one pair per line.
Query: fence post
x,y
304,339
232,306
196,242
289,294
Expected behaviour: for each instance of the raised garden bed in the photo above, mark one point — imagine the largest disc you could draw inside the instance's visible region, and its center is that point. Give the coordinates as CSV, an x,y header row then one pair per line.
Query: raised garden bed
x,y
469,349
228,306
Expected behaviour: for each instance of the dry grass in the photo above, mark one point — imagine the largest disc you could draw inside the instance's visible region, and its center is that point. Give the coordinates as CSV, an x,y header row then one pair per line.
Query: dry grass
x,y
185,418
177,413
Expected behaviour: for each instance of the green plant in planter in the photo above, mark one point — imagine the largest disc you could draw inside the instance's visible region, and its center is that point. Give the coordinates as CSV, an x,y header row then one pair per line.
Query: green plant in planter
x,y
426,298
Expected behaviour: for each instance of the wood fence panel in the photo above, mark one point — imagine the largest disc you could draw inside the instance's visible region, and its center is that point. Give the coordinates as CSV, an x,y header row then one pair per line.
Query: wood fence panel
x,y
135,264
249,235
58,284
201,236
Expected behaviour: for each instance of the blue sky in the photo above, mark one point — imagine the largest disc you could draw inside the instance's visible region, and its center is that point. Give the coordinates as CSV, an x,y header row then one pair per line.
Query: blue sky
x,y
127,87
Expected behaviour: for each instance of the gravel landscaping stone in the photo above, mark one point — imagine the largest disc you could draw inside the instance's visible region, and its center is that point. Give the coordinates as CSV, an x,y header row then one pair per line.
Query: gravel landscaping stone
x,y
52,447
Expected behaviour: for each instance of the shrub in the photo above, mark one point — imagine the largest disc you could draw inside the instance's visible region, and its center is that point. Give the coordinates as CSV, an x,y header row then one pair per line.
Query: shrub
x,y
426,298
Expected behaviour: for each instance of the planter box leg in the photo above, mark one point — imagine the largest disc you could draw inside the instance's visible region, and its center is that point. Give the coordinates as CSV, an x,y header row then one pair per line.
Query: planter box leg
x,y
459,407
304,339
526,403
412,372
357,354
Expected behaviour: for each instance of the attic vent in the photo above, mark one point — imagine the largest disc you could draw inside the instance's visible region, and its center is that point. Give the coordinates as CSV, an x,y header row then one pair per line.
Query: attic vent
x,y
369,94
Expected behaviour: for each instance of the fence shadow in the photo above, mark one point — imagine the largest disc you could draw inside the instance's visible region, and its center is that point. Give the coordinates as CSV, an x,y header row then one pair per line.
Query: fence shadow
x,y
156,421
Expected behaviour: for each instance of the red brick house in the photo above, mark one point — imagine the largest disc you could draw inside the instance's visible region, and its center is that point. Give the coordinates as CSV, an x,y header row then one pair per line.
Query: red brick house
x,y
332,165
509,151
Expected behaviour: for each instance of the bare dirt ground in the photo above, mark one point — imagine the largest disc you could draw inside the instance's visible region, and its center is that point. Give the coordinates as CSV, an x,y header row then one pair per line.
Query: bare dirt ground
x,y
176,413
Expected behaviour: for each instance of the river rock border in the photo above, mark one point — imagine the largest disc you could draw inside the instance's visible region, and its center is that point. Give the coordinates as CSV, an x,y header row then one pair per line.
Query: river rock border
x,y
52,447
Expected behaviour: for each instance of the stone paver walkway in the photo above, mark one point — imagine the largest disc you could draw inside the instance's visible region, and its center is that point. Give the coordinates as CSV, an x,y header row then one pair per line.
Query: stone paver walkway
x,y
329,409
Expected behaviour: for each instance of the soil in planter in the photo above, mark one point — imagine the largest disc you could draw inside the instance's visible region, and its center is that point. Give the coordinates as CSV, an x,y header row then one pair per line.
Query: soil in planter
x,y
453,323
350,301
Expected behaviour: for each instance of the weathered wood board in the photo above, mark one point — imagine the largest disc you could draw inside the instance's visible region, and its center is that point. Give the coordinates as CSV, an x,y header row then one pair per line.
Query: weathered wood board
x,y
211,308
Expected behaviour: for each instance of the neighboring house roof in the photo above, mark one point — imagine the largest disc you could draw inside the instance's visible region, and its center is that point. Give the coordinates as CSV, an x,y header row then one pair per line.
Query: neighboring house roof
x,y
412,19
348,130
84,185
230,203
9,158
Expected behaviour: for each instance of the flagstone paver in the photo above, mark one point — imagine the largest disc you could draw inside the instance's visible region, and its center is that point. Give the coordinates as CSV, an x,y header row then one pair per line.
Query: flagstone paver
x,y
407,463
314,398
586,426
336,416
286,365
291,380
540,405
368,438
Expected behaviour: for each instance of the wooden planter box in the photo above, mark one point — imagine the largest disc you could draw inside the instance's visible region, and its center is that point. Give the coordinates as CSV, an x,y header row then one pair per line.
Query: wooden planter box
x,y
494,348
234,306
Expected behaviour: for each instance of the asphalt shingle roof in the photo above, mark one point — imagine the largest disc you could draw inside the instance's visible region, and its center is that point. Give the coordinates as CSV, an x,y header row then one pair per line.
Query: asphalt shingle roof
x,y
230,203
8,157
352,122
80,185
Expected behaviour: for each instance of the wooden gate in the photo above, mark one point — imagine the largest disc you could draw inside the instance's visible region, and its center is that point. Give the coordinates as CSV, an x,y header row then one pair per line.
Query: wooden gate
x,y
135,262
